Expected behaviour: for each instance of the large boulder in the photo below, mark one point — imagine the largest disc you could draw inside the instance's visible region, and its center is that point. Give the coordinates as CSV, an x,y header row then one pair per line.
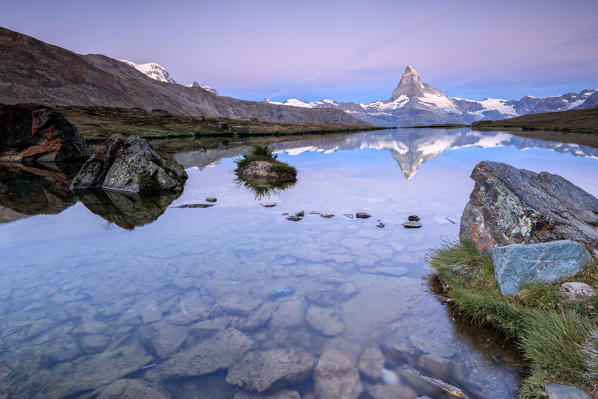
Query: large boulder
x,y
518,264
130,164
36,133
513,206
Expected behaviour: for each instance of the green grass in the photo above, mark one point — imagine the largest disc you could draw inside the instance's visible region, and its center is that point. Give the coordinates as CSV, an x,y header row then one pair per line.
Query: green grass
x,y
558,338
265,153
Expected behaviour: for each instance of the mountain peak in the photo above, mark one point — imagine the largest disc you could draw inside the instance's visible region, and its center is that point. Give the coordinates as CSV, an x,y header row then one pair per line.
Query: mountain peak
x,y
410,85
153,70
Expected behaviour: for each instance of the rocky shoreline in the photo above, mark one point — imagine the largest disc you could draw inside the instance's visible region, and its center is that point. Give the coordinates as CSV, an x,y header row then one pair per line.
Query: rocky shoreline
x,y
522,234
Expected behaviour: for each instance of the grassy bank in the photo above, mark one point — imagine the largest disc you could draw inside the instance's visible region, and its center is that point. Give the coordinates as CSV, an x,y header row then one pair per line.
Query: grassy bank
x,y
98,123
558,338
578,120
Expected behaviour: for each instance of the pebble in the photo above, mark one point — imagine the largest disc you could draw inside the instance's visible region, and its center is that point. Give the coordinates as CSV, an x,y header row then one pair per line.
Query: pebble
x,y
413,218
294,218
211,199
270,205
362,215
326,215
348,215
380,225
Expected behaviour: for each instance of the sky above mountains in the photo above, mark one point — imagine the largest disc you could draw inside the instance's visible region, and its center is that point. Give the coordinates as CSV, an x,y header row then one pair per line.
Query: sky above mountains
x,y
342,50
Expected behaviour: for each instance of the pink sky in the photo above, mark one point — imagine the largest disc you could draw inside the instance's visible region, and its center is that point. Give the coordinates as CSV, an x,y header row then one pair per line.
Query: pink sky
x,y
352,51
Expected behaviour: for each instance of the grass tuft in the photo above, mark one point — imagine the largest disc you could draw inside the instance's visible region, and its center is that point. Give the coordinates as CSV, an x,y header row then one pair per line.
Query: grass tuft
x,y
265,153
558,338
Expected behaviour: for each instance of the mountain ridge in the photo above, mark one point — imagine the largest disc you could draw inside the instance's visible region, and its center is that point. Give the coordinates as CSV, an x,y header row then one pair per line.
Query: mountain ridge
x,y
416,103
36,72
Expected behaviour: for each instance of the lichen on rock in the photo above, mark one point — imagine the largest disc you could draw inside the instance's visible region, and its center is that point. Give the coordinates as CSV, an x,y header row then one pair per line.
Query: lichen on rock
x,y
130,164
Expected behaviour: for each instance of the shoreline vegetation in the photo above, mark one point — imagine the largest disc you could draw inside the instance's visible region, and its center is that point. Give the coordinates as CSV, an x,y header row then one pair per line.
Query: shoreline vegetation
x,y
558,338
98,123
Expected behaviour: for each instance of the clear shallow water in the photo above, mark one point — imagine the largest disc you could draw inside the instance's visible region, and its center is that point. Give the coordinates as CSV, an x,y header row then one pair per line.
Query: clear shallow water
x,y
104,286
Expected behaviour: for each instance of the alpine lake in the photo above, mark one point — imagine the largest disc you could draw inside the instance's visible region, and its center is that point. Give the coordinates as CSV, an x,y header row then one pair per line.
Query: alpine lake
x,y
104,293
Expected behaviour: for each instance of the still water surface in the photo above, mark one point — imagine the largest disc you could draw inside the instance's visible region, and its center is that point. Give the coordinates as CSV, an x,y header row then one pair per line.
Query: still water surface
x,y
98,288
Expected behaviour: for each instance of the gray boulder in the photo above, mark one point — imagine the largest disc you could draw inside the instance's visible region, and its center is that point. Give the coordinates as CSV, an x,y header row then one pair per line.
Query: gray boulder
x,y
556,391
130,164
518,264
513,206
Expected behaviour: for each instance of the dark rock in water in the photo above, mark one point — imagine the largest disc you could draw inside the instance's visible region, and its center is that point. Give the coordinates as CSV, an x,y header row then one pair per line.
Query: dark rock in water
x,y
27,190
223,125
513,206
300,214
160,112
413,218
211,199
194,206
518,264
260,370
130,164
326,215
272,205
348,215
126,210
36,133
412,225
380,225
362,215
556,391
285,290
294,218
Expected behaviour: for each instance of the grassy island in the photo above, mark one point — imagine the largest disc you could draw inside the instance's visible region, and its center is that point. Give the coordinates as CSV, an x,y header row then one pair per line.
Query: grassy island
x,y
558,338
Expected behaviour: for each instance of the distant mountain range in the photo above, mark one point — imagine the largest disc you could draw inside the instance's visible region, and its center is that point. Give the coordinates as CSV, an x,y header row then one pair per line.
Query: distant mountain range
x,y
415,103
36,72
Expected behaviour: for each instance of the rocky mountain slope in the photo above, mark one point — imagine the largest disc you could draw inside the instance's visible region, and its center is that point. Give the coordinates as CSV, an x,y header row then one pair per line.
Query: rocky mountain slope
x,y
33,71
416,103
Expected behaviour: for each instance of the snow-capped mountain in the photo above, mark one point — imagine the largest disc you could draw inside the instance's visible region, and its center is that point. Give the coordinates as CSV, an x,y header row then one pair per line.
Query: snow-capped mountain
x,y
208,88
159,73
153,70
416,103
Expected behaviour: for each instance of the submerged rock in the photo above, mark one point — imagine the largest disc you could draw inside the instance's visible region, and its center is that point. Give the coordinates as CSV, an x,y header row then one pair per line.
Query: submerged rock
x,y
412,225
131,389
130,164
513,206
283,291
260,370
218,352
556,391
371,362
336,377
362,215
395,391
518,264
413,218
325,320
194,206
284,394
36,133
211,199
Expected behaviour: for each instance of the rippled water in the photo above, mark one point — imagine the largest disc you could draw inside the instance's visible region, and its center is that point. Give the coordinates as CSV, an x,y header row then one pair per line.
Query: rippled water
x,y
106,286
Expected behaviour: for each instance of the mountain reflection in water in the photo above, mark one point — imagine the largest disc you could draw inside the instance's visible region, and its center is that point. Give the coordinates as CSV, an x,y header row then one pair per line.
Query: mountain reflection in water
x,y
410,148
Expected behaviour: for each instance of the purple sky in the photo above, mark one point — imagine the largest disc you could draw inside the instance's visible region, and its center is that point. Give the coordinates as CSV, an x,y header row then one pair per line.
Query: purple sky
x,y
342,50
